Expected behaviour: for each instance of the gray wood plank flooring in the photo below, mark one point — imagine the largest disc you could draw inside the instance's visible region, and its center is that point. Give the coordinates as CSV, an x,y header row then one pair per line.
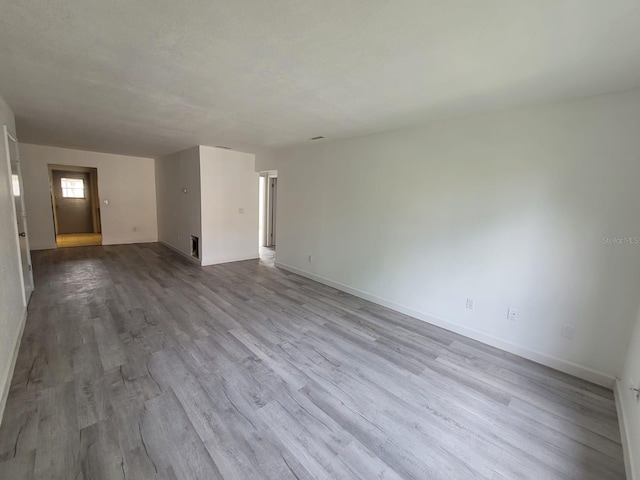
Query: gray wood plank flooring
x,y
136,364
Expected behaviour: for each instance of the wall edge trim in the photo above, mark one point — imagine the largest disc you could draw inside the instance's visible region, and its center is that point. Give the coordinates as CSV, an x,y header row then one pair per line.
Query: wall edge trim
x,y
205,263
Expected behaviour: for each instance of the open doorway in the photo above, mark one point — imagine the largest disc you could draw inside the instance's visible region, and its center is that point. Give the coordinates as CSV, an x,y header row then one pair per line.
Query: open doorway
x,y
75,205
267,223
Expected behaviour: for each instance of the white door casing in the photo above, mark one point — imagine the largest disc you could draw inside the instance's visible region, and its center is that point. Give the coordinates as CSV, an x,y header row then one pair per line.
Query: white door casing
x,y
19,212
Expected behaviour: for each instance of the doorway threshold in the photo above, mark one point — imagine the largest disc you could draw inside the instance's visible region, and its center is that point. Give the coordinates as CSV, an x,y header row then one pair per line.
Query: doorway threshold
x,y
78,239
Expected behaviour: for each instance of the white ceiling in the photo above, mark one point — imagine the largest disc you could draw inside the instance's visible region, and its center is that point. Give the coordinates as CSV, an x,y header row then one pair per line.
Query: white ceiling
x,y
149,77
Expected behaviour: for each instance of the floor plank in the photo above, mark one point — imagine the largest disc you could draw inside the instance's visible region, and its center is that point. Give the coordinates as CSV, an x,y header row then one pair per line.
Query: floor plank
x,y
137,364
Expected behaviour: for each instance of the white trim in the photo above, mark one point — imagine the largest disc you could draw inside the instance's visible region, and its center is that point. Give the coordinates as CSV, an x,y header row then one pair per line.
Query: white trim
x,y
128,241
560,364
177,250
228,260
43,247
202,262
12,137
53,246
9,376
619,392
14,213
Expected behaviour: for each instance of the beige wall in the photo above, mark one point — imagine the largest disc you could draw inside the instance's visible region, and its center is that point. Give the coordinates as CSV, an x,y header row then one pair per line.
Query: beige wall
x,y
127,183
12,307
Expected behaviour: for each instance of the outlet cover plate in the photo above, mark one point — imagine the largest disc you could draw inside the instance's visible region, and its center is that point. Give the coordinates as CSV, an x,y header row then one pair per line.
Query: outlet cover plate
x,y
568,331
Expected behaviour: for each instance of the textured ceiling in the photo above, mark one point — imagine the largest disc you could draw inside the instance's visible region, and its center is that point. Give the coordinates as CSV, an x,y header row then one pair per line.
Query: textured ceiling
x,y
150,77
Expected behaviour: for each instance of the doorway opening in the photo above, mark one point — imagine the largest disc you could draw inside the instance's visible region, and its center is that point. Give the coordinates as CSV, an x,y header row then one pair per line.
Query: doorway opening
x,y
75,204
20,215
267,223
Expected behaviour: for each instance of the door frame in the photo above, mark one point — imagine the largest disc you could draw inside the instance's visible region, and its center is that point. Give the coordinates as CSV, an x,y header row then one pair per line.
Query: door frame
x,y
27,277
93,189
272,202
269,201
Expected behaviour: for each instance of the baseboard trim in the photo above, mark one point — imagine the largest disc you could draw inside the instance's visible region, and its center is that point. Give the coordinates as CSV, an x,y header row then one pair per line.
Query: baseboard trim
x,y
556,363
230,260
619,393
43,247
53,245
16,348
128,241
177,250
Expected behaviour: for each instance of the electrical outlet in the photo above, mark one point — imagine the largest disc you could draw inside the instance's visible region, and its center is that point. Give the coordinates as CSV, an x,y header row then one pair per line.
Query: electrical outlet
x,y
568,331
310,258
513,314
470,303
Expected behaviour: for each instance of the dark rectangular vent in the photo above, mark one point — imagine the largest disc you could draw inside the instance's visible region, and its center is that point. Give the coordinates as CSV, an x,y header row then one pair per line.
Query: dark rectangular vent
x,y
195,246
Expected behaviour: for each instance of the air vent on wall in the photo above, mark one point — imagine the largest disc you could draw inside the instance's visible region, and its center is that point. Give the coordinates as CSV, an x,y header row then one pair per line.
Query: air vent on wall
x,y
317,138
195,246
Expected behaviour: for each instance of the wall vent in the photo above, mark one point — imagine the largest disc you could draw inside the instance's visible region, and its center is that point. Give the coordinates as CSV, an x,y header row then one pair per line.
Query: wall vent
x,y
195,247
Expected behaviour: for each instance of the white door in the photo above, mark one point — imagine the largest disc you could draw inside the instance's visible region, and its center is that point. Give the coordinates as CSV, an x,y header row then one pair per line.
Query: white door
x,y
13,163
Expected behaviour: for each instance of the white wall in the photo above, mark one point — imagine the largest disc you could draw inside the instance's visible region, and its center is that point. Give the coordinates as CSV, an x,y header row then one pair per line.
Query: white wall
x,y
128,183
12,307
178,212
629,403
508,208
229,186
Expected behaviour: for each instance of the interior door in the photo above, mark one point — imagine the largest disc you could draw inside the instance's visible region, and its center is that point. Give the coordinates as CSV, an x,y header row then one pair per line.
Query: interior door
x,y
20,213
72,195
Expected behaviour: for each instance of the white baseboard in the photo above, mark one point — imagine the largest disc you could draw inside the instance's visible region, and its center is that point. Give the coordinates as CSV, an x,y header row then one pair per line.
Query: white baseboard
x,y
128,241
9,374
229,260
556,363
43,246
125,241
177,250
619,393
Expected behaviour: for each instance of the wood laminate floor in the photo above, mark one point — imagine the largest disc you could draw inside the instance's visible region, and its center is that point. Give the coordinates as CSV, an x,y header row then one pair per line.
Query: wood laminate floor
x,y
136,364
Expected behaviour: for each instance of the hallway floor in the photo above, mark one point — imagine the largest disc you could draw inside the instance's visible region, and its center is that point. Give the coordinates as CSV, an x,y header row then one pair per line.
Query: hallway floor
x,y
78,239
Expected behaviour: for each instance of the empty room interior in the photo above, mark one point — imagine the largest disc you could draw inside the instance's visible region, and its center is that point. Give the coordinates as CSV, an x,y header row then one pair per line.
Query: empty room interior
x,y
320,240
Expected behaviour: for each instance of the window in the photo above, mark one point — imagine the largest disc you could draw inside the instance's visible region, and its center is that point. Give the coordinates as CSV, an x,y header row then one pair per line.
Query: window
x,y
15,182
72,187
